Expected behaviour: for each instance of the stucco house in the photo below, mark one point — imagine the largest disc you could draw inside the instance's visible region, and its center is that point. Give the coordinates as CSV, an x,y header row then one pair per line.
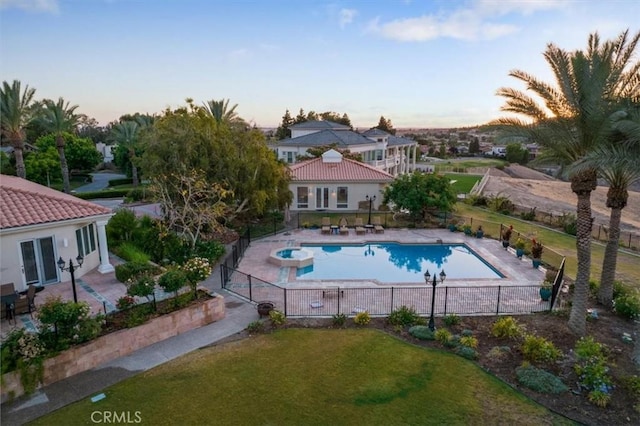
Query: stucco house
x,y
331,182
39,225
379,149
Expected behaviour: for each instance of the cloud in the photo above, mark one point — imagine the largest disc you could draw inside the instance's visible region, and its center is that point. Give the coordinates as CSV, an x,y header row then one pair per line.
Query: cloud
x,y
48,6
346,16
482,20
239,54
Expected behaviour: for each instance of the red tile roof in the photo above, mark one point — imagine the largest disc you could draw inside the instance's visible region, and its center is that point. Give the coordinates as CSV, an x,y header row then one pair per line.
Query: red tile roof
x,y
23,203
344,171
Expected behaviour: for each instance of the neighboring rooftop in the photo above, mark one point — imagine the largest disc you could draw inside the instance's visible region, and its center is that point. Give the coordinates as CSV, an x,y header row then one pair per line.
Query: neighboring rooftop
x,y
332,167
342,139
319,125
28,203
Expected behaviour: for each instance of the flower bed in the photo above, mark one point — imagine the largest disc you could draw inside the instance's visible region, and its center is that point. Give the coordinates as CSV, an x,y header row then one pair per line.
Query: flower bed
x,y
120,343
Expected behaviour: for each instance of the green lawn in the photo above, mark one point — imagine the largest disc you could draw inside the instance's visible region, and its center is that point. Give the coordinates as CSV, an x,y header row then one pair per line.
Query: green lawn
x,y
627,268
468,162
463,183
314,377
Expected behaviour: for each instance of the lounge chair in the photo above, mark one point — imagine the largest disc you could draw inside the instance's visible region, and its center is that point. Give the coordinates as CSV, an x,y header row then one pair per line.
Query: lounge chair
x,y
326,225
360,229
377,225
344,230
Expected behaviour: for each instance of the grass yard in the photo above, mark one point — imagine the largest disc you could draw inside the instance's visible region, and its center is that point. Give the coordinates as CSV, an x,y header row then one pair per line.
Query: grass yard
x,y
463,183
627,267
468,163
314,377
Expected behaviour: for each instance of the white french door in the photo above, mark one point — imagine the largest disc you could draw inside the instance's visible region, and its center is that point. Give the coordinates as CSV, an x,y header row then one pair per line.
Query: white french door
x,y
322,198
38,261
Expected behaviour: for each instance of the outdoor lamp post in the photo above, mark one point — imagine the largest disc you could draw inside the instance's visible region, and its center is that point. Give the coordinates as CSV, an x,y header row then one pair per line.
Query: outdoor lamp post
x,y
427,278
370,200
369,251
71,268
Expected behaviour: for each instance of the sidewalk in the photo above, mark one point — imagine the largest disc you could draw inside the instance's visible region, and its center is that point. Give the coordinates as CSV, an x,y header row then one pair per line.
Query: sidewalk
x,y
238,315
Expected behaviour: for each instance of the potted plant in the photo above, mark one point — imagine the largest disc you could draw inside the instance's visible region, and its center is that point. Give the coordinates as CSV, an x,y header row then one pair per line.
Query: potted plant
x,y
519,248
467,229
547,285
479,232
506,236
536,253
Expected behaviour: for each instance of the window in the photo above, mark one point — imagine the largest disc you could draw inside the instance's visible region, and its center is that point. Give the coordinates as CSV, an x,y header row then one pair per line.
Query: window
x,y
322,198
290,157
343,197
379,154
303,197
86,240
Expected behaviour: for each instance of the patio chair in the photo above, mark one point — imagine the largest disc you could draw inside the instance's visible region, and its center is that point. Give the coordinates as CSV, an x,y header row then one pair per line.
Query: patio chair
x,y
326,225
377,225
360,229
344,230
25,304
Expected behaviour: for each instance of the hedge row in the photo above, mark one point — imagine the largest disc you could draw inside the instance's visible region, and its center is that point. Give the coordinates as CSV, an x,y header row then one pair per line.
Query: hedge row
x,y
123,181
114,193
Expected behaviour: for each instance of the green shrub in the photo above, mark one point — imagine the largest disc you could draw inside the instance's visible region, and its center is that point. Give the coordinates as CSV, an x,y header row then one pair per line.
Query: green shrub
x,y
212,250
143,286
453,342
591,366
466,332
599,398
362,318
467,352
137,194
255,326
627,306
499,353
404,316
539,349
339,320
442,335
121,227
451,320
594,288
422,332
24,352
172,281
111,193
63,324
587,347
506,327
120,181
540,380
619,289
133,270
138,315
469,341
131,253
277,317
569,224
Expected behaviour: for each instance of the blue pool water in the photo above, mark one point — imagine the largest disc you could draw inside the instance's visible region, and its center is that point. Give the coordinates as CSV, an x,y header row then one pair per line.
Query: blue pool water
x,y
394,262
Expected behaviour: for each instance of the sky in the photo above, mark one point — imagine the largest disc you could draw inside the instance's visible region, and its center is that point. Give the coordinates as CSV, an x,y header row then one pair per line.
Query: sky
x,y
421,64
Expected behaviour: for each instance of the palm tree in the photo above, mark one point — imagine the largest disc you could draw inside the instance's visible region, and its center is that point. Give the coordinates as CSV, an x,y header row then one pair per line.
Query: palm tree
x,y
59,118
126,134
617,163
221,113
574,119
16,113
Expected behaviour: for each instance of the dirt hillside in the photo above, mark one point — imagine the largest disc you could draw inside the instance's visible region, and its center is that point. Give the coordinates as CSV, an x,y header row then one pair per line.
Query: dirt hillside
x,y
553,196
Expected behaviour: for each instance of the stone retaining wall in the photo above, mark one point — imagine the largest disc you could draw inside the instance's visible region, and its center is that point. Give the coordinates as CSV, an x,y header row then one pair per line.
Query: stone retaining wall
x,y
120,343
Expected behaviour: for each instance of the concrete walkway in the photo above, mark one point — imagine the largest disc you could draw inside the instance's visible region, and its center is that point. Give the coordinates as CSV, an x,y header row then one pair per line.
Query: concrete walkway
x,y
238,315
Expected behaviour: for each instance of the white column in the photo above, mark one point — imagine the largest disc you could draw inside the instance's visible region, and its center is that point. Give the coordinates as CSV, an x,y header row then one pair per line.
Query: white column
x,y
105,267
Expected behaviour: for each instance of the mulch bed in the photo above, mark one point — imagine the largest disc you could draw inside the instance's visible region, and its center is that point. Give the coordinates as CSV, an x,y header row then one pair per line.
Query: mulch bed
x,y
607,329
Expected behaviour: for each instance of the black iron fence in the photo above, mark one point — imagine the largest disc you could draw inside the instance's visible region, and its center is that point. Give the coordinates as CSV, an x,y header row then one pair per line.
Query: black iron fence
x,y
381,301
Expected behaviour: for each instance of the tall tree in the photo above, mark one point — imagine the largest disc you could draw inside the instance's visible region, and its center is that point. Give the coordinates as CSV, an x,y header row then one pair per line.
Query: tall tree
x,y
301,117
617,163
420,193
15,114
59,118
125,134
221,112
574,119
283,129
385,125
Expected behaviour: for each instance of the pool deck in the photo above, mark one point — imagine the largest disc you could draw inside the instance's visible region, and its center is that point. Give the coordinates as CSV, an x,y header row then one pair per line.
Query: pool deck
x,y
255,261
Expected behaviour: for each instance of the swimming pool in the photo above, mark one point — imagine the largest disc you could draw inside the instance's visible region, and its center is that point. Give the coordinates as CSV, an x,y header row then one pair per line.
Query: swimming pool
x,y
394,262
